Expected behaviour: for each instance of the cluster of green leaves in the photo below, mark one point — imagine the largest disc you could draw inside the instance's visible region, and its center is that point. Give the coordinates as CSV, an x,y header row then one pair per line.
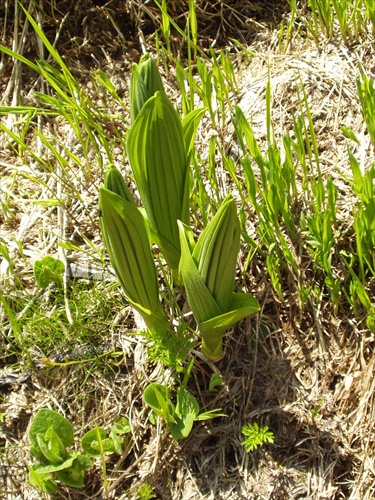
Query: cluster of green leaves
x,y
51,435
179,417
159,147
48,270
256,436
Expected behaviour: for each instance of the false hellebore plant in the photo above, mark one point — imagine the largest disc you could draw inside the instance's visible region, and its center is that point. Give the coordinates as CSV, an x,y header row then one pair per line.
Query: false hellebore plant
x,y
208,270
126,239
159,145
157,156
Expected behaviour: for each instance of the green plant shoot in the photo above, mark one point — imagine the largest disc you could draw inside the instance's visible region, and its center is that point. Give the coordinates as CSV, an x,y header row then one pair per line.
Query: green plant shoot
x,y
180,417
126,239
208,271
96,441
50,435
145,80
256,436
157,155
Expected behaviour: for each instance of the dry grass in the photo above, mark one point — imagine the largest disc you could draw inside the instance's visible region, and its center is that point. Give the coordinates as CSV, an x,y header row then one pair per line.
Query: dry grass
x,y
307,374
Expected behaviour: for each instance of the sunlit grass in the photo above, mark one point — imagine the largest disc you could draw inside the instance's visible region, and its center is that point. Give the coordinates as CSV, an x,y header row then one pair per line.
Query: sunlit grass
x,y
40,325
346,20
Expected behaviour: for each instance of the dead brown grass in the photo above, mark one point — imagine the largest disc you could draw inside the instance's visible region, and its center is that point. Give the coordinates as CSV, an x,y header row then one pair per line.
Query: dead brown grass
x,y
307,374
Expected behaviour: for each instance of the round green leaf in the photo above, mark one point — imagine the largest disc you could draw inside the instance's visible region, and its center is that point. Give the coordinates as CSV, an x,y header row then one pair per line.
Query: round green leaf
x,y
45,419
96,441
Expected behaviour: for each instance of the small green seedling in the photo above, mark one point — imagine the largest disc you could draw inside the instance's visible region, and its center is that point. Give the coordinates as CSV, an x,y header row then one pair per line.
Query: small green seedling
x,y
180,417
315,411
215,381
145,492
256,436
48,270
96,442
50,435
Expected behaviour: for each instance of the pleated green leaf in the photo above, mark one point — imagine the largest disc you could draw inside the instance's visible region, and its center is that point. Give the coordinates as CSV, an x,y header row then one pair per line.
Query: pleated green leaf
x,y
200,299
216,253
115,182
156,151
145,80
125,237
208,272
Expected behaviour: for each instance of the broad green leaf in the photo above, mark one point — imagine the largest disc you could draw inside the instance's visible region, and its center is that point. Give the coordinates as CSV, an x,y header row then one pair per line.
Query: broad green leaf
x,y
52,447
41,480
74,476
157,396
126,239
199,297
156,151
187,410
212,330
95,441
186,403
43,420
216,253
48,270
58,467
242,305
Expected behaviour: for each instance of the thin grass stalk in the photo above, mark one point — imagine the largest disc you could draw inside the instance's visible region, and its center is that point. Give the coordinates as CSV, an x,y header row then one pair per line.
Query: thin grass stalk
x,y
370,12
